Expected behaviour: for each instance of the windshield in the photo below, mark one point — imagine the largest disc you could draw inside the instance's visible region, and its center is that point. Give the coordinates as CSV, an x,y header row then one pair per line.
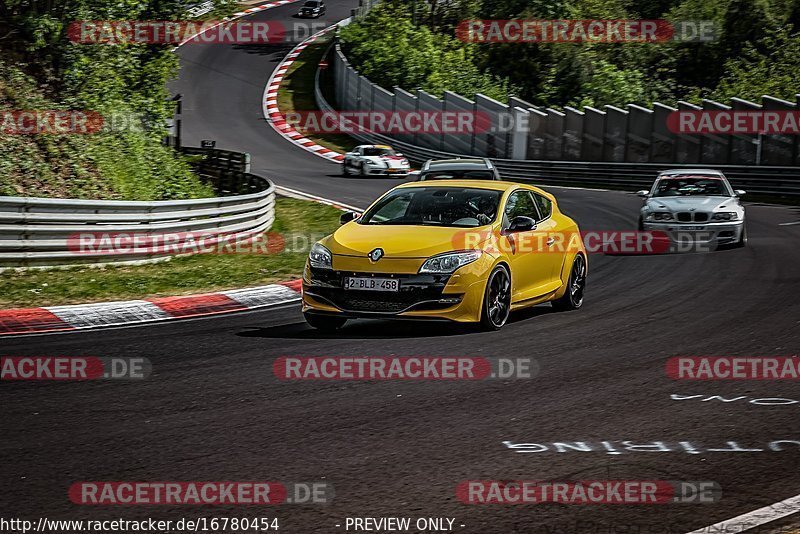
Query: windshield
x,y
312,3
435,206
691,186
379,152
457,175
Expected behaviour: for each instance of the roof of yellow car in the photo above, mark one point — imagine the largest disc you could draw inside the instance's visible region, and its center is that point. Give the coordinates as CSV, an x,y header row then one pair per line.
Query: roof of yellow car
x,y
497,185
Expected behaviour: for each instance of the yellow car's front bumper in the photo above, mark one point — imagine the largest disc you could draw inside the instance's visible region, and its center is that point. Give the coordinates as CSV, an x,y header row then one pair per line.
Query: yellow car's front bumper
x,y
456,297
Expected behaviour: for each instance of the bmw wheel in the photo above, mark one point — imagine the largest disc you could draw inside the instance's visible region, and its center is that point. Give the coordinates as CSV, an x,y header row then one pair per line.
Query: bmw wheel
x,y
742,238
496,300
573,297
345,169
363,169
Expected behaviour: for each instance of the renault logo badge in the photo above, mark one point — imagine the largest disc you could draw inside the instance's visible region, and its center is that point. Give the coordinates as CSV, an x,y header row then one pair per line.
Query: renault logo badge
x,y
376,254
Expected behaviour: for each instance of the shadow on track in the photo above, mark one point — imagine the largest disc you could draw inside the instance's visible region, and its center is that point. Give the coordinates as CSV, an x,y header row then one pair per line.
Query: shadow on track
x,y
381,329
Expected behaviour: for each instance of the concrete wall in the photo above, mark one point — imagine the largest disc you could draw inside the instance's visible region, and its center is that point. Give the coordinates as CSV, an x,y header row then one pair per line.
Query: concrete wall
x,y
777,149
460,143
743,147
635,134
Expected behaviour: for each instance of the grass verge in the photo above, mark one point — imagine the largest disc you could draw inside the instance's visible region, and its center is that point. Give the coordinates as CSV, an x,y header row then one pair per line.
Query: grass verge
x,y
300,222
296,93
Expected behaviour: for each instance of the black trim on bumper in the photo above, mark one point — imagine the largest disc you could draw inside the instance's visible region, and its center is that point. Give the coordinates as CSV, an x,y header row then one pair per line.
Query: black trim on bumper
x,y
417,292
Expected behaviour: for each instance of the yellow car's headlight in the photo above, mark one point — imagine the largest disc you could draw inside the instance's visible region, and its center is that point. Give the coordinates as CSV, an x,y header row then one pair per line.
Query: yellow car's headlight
x,y
448,262
320,257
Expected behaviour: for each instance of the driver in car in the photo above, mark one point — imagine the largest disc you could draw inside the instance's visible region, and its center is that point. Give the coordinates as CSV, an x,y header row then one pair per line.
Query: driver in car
x,y
486,211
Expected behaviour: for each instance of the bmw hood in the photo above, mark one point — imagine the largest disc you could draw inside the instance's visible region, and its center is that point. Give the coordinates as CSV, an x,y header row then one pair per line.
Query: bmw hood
x,y
696,203
398,241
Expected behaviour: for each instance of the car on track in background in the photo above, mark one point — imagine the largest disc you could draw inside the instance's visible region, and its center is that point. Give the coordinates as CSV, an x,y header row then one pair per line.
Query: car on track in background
x,y
312,9
694,205
458,169
375,159
460,250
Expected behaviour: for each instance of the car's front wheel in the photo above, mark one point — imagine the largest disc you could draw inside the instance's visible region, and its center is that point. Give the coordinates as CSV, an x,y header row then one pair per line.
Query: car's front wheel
x,y
742,238
496,300
326,323
573,297
345,169
363,169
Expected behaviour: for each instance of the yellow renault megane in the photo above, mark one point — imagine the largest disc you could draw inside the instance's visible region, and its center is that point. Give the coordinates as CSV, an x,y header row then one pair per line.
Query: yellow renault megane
x,y
459,250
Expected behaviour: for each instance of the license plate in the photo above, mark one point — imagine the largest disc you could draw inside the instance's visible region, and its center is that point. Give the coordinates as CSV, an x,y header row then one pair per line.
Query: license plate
x,y
371,284
692,228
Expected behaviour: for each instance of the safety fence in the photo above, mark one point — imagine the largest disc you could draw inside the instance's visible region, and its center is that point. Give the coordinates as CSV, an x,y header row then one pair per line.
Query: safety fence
x,y
52,231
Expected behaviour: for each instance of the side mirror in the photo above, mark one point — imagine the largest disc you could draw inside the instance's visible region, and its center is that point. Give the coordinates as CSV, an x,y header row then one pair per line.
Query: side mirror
x,y
521,224
643,193
740,192
348,216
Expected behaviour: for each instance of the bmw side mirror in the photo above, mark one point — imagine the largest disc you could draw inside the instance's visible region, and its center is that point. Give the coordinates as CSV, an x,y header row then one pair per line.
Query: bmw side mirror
x,y
643,193
521,224
740,192
348,216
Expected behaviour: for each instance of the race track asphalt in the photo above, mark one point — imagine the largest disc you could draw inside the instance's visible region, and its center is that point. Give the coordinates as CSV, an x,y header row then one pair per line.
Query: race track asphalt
x,y
213,410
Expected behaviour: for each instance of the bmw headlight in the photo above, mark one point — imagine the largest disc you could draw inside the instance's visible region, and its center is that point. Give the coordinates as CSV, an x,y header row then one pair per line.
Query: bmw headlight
x,y
320,257
660,216
725,216
448,262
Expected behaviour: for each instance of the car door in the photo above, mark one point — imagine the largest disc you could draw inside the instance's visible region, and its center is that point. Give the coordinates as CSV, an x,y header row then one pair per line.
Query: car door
x,y
531,263
556,242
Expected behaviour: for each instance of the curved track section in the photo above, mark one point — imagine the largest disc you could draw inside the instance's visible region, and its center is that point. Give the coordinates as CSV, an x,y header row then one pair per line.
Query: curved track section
x,y
212,409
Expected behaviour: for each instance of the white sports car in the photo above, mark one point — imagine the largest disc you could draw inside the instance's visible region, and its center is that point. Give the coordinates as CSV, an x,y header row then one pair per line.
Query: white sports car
x,y
374,159
694,205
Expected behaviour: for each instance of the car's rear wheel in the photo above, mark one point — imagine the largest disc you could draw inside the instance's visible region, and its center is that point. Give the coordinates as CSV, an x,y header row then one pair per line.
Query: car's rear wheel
x,y
345,169
326,323
496,300
573,297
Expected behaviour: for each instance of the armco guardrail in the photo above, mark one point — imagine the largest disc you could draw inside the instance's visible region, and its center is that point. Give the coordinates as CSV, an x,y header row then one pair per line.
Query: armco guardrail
x,y
47,231
771,180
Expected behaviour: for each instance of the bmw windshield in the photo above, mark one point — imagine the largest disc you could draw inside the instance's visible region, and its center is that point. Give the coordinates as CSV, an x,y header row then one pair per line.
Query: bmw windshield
x,y
440,206
691,186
